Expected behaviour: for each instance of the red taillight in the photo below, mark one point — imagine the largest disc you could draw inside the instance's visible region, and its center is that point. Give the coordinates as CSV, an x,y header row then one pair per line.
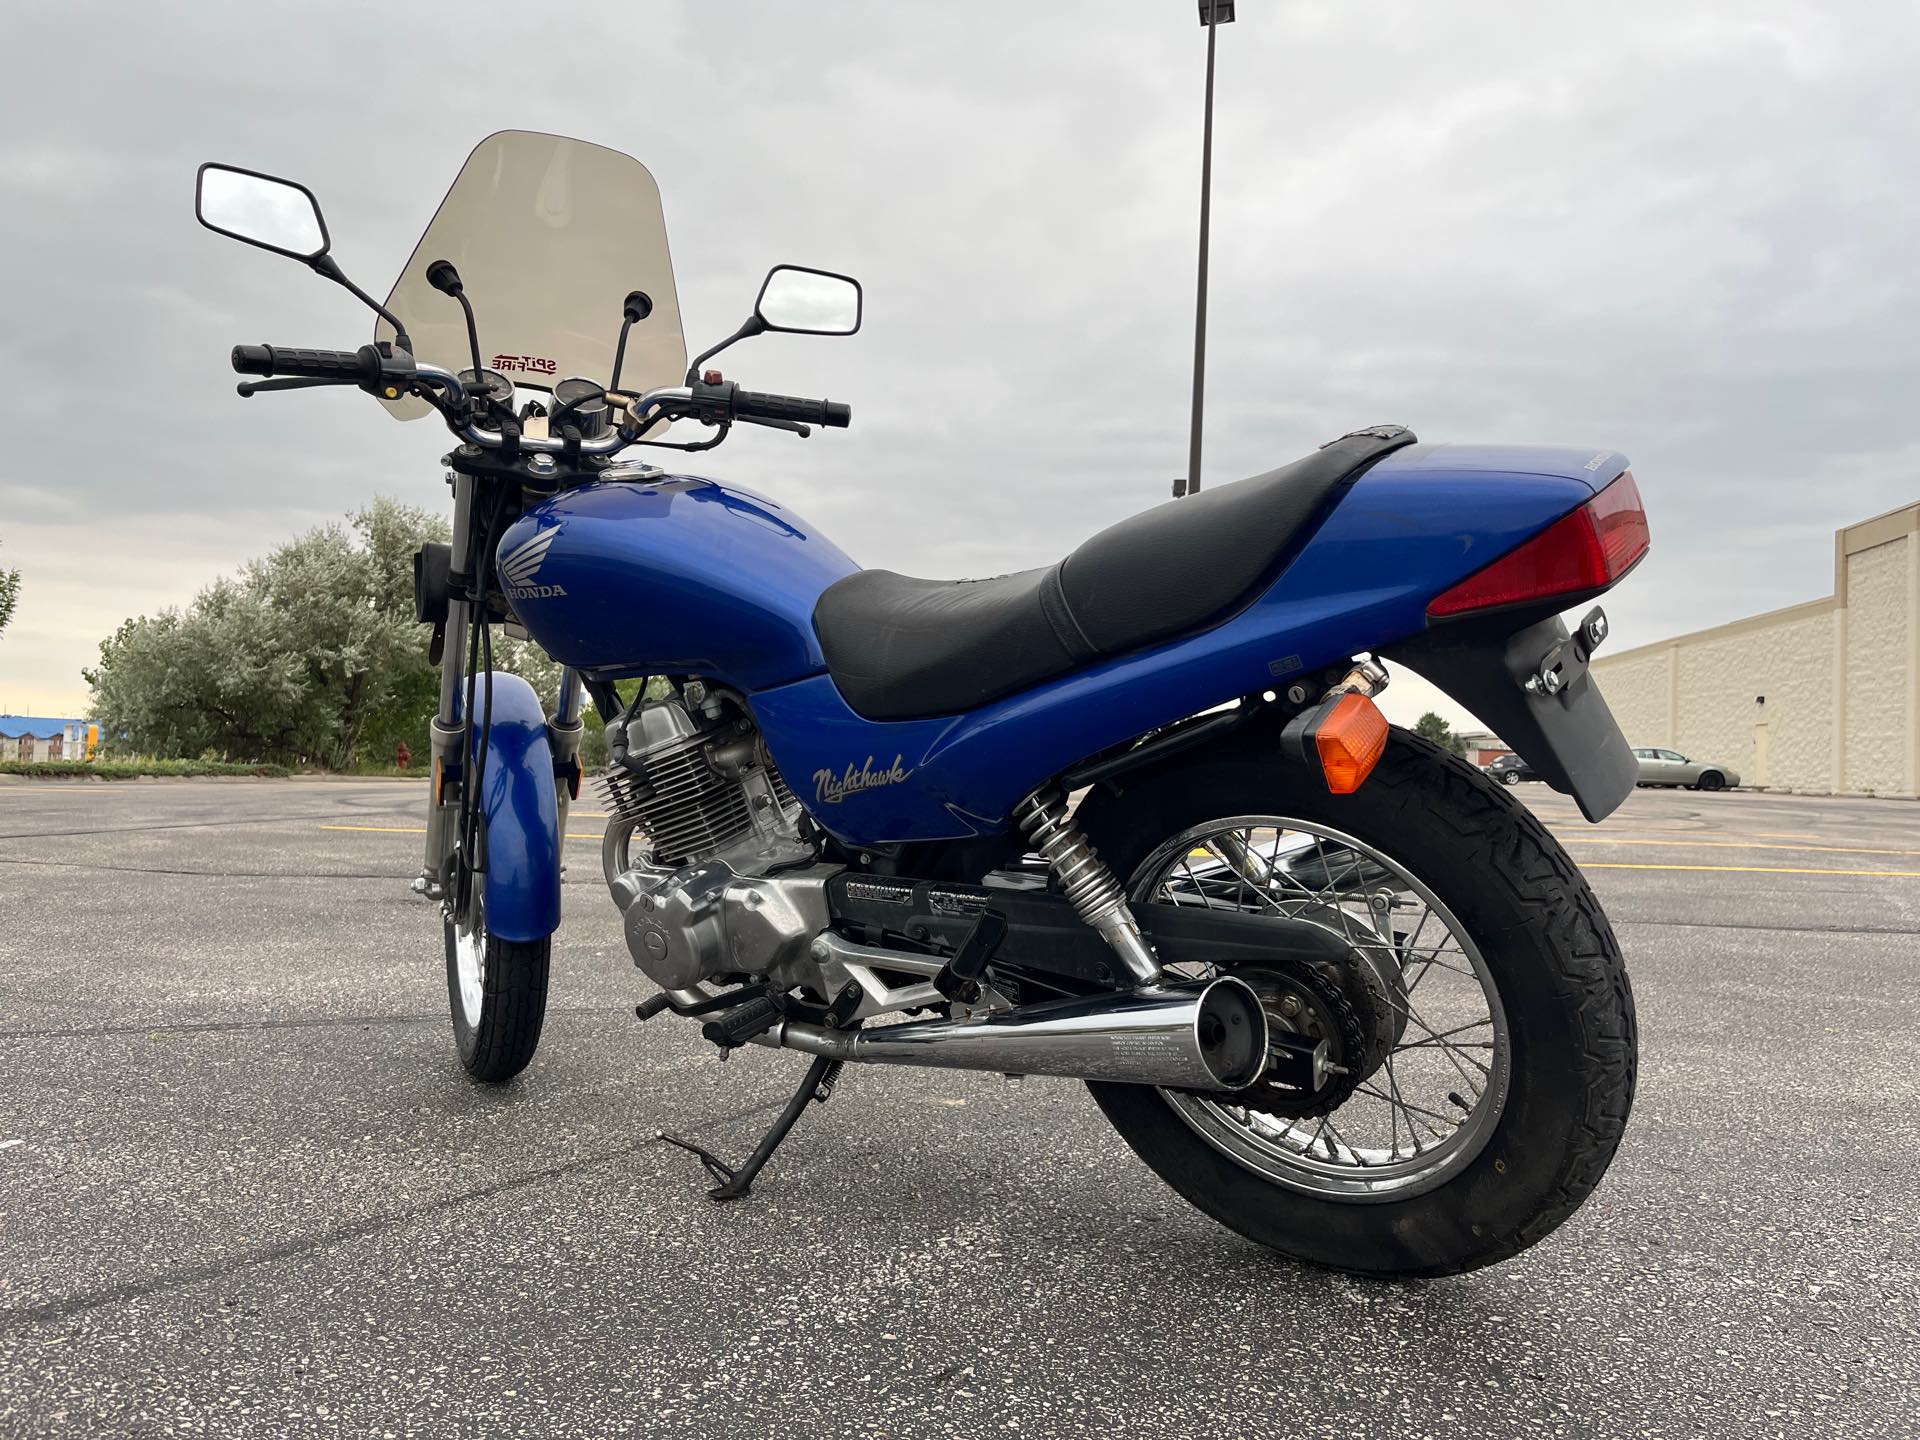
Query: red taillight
x,y
1582,552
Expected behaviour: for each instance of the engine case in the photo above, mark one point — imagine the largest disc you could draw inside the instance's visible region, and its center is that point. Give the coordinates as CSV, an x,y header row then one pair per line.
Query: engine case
x,y
690,924
724,883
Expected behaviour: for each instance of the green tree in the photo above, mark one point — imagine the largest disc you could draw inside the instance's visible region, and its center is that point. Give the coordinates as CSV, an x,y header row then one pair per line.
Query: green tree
x,y
309,656
9,595
1431,727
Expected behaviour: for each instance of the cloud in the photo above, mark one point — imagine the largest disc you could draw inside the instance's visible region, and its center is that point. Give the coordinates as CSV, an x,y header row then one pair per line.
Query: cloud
x,y
1680,232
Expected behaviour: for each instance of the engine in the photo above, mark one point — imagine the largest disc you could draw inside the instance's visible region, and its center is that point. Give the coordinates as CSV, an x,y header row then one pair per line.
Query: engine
x,y
697,782
705,856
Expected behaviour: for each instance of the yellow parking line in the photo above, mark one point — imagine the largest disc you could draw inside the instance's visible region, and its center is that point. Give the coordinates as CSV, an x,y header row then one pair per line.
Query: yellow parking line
x,y
1732,845
421,830
1749,869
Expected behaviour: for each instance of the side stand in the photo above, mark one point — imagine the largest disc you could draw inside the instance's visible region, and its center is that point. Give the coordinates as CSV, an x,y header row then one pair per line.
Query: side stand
x,y
817,1086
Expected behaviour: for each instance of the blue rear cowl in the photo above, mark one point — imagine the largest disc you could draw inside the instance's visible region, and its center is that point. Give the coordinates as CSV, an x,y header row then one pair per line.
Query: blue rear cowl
x,y
687,576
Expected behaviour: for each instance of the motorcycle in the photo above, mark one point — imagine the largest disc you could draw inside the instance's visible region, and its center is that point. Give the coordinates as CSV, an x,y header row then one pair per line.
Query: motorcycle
x,y
1132,819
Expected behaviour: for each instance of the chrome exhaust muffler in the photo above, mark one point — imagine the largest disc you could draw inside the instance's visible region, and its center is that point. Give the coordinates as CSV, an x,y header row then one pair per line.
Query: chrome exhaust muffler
x,y
1209,1037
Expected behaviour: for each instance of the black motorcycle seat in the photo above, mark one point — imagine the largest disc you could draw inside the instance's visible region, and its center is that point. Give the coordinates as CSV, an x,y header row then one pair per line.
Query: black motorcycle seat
x,y
900,648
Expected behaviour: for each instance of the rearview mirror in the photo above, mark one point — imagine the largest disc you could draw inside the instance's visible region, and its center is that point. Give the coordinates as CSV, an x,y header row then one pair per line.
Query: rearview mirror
x,y
263,210
796,300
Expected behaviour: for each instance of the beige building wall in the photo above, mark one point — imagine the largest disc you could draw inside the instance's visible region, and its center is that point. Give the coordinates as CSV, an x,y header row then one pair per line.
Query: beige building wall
x,y
1877,677
1638,686
1823,696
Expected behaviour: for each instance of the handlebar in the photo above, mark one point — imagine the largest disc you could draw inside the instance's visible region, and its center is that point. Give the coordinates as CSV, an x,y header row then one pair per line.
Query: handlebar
x,y
392,374
361,366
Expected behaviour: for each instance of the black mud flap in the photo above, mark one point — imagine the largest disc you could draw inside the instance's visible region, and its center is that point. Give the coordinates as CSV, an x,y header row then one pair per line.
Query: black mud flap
x,y
1532,687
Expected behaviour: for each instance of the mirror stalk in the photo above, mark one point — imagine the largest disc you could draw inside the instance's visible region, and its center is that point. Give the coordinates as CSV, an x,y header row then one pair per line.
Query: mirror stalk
x,y
638,306
326,265
443,277
751,326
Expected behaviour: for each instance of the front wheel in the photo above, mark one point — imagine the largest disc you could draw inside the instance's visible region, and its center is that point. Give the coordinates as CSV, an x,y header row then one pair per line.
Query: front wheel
x,y
1511,777
1483,1021
497,990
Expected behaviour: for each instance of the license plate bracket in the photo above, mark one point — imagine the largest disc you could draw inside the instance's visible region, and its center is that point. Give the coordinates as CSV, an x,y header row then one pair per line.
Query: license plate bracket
x,y
1535,688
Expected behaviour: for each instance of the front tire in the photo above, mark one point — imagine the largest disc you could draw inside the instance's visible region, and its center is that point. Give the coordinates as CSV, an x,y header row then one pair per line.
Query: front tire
x,y
1560,1004
1510,777
1713,780
497,991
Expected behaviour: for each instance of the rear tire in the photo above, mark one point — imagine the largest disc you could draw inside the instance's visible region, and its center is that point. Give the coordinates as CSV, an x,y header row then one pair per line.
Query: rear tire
x,y
1546,945
497,991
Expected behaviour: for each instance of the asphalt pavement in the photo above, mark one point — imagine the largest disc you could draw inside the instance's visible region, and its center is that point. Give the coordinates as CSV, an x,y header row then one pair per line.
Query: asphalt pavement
x,y
246,1190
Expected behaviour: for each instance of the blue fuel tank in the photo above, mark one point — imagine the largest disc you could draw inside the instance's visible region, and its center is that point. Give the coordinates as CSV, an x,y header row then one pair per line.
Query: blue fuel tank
x,y
676,574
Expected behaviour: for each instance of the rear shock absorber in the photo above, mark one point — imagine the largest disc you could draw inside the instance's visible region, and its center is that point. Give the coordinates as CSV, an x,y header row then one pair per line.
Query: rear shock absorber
x,y
1091,888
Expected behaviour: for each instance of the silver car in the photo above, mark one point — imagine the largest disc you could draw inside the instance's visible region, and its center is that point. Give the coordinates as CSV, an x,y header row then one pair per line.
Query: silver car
x,y
1670,767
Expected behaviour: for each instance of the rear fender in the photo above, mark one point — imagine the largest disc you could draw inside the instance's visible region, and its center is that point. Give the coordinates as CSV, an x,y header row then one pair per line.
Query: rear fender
x,y
1569,737
522,881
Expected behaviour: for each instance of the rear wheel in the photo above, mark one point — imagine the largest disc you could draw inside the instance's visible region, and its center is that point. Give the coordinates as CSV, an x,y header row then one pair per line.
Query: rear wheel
x,y
497,990
1494,1101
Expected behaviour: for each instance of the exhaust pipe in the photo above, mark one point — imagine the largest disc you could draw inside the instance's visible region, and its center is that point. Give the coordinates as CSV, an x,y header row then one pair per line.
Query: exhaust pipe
x,y
1212,1037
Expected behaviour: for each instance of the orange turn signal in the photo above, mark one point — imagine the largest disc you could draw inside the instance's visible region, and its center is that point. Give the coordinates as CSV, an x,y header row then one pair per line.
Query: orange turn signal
x,y
1350,740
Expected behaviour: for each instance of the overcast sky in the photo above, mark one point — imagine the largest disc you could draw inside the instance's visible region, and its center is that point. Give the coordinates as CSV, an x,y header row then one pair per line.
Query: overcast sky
x,y
1685,232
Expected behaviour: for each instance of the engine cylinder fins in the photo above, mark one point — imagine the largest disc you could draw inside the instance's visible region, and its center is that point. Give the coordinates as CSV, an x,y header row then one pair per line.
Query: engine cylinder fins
x,y
682,808
1211,1037
782,793
672,790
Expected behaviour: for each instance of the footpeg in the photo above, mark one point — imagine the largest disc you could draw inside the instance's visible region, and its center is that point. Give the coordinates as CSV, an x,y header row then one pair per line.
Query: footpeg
x,y
736,1027
652,1006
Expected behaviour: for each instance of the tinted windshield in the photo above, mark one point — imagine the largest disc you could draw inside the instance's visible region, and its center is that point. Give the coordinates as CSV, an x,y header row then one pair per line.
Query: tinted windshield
x,y
549,236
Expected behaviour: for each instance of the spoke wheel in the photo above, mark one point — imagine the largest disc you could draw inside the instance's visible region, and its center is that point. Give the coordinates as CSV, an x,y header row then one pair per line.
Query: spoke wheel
x,y
496,992
1425,1109
1498,1060
469,942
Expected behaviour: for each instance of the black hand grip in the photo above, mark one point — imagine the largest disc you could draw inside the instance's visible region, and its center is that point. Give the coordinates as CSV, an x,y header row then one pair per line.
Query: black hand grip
x,y
750,404
361,364
253,360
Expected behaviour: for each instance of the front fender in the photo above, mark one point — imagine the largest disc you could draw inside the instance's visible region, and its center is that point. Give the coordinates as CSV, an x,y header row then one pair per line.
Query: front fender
x,y
522,882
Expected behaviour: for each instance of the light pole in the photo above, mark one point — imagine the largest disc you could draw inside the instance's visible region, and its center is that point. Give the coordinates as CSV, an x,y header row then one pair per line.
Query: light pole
x,y
1213,13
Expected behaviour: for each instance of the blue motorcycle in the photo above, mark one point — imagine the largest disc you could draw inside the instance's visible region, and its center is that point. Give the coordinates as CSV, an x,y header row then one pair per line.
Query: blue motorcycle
x,y
1132,818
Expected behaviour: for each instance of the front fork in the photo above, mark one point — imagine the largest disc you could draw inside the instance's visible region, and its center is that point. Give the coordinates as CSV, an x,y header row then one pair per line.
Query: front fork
x,y
447,732
564,732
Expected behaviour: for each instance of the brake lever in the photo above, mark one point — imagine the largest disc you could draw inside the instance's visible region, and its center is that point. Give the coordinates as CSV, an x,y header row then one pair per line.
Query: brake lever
x,y
248,388
803,431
